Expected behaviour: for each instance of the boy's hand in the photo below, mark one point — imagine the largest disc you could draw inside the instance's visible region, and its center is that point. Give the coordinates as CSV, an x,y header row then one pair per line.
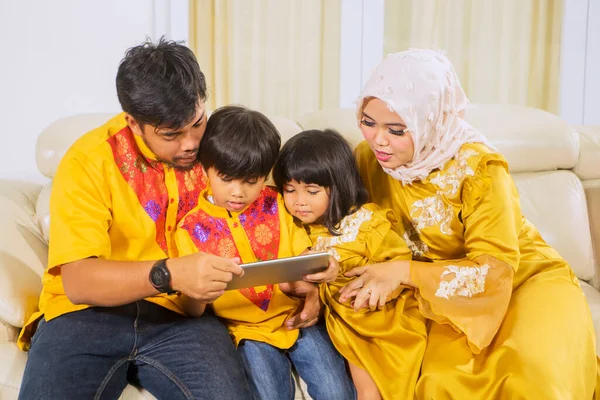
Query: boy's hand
x,y
202,276
307,314
329,275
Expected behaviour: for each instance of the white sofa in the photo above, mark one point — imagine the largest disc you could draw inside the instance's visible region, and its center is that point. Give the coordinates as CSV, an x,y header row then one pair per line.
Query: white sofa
x,y
556,168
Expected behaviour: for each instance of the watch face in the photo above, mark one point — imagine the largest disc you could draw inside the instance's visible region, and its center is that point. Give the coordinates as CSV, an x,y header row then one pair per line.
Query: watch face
x,y
158,277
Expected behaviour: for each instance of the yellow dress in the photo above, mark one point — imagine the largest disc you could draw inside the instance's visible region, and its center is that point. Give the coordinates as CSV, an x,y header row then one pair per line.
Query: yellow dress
x,y
508,318
369,339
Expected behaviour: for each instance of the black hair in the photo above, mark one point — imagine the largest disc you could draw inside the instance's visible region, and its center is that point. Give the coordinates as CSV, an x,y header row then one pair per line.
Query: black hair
x,y
160,84
323,158
239,143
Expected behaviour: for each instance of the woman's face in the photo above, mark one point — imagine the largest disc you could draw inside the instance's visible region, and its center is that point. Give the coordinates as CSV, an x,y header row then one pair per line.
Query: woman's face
x,y
384,130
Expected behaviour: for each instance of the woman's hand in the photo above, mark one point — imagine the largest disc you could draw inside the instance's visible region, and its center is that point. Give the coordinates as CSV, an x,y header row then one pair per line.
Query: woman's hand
x,y
329,275
376,284
310,308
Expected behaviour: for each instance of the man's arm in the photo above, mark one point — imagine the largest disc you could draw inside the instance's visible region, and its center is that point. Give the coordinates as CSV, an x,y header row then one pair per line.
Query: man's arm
x,y
201,278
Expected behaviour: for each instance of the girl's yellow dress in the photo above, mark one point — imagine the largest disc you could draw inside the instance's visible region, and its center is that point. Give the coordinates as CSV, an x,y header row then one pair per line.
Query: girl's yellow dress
x,y
506,318
370,339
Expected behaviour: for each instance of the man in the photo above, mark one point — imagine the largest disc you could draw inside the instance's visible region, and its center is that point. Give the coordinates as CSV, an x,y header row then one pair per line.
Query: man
x,y
115,294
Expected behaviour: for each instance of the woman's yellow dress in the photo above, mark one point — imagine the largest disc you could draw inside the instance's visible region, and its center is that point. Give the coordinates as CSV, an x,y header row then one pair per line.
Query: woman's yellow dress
x,y
506,316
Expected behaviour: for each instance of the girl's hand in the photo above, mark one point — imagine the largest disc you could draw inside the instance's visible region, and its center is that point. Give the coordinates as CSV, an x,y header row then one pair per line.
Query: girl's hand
x,y
329,275
376,284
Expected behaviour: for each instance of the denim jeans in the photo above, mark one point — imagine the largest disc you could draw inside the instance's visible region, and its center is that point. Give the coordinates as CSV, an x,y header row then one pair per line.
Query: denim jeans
x,y
94,353
269,369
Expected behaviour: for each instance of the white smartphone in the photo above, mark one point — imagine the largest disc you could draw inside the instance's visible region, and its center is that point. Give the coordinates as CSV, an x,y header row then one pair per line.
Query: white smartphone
x,y
279,270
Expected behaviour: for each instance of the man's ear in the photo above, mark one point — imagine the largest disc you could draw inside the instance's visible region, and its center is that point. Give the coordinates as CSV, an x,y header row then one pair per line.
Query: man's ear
x,y
133,125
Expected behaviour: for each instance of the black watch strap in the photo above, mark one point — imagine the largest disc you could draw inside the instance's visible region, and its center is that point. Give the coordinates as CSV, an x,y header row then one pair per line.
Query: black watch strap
x,y
160,277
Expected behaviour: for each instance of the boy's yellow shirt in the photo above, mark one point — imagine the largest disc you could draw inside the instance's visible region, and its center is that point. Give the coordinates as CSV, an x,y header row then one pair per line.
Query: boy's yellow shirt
x,y
263,231
112,199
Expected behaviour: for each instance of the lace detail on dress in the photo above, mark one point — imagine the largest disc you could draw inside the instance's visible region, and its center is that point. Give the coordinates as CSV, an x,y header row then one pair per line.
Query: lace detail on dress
x,y
450,181
349,230
467,281
414,242
432,210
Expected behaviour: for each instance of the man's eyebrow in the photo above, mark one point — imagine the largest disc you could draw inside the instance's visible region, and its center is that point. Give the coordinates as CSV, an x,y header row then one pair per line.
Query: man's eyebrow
x,y
388,124
173,133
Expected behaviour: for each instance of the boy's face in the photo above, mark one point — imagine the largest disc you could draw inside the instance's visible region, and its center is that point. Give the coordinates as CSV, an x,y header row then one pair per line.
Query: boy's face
x,y
305,201
176,147
234,194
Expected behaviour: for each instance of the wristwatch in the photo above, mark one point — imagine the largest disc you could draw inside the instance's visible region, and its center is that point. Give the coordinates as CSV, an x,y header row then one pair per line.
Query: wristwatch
x,y
160,277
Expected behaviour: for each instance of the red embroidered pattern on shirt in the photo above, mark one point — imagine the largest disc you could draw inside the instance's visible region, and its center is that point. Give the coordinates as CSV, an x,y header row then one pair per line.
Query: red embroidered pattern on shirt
x,y
145,177
189,183
261,224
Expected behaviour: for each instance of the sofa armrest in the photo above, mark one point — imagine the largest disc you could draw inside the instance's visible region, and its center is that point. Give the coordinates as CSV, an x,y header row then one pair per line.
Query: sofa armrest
x,y
23,252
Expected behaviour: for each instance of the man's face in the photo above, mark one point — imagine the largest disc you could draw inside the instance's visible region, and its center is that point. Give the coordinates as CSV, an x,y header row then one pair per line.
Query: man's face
x,y
176,147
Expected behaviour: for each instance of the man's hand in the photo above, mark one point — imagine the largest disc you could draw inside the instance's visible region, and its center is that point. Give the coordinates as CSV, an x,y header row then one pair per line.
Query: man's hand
x,y
202,276
307,314
329,275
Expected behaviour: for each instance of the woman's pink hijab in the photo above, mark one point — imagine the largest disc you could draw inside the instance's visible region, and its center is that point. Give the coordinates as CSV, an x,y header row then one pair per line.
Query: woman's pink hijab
x,y
423,89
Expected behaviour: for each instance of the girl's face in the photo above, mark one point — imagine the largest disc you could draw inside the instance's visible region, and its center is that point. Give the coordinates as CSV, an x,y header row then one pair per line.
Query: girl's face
x,y
305,201
384,131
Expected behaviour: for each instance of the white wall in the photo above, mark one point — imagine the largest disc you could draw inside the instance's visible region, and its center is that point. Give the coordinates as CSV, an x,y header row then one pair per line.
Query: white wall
x,y
580,62
60,58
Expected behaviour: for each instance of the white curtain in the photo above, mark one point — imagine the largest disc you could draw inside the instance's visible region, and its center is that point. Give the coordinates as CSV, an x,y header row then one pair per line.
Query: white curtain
x,y
280,57
504,51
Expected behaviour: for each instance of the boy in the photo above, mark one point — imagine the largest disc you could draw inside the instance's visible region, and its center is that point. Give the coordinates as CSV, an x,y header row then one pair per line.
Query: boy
x,y
237,216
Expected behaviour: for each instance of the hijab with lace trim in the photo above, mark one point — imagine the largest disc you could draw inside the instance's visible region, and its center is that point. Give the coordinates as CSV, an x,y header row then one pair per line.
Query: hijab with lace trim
x,y
422,87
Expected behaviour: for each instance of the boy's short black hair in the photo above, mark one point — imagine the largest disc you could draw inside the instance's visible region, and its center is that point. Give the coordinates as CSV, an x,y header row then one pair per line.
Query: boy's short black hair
x,y
323,158
160,84
239,143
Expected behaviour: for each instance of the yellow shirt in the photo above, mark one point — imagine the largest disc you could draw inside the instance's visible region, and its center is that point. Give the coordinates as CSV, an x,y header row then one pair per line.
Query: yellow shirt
x,y
262,231
111,199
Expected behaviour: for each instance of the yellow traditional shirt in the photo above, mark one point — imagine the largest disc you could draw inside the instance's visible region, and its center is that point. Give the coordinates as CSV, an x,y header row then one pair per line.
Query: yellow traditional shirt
x,y
112,199
465,221
262,231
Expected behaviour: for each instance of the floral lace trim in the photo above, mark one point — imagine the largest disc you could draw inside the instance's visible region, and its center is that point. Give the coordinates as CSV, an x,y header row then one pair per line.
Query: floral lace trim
x,y
349,231
467,281
432,211
414,242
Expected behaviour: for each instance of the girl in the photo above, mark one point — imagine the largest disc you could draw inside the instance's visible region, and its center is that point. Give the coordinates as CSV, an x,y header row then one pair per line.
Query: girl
x,y
321,186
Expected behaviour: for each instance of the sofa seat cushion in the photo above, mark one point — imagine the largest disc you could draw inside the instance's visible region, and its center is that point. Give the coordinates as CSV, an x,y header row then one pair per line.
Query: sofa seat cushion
x,y
588,164
593,298
555,203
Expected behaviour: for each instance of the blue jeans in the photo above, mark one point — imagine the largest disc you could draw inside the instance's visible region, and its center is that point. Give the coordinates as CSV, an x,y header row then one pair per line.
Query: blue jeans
x,y
269,369
94,353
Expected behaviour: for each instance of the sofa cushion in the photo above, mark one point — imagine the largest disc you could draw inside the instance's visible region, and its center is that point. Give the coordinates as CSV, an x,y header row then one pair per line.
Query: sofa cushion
x,y
531,140
55,140
593,298
592,195
11,369
555,203
23,252
588,165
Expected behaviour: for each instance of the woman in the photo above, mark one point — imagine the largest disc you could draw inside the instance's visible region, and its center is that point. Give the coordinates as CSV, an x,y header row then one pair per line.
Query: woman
x,y
505,315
